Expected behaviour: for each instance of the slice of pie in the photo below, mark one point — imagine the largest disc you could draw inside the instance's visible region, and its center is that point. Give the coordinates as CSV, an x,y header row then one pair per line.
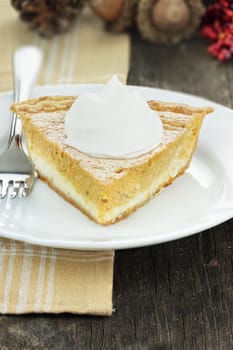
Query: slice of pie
x,y
107,190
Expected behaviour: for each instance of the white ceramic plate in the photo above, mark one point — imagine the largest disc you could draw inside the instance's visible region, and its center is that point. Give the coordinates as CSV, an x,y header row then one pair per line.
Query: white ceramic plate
x,y
198,200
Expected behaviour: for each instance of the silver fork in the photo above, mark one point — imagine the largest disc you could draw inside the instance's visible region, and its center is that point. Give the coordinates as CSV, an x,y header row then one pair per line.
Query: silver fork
x,y
17,173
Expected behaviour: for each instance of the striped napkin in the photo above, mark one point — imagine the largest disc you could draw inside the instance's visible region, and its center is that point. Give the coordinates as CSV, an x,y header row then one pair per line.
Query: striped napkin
x,y
41,279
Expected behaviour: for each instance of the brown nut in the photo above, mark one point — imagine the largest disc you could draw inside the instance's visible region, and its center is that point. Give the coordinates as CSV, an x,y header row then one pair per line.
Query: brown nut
x,y
170,15
108,10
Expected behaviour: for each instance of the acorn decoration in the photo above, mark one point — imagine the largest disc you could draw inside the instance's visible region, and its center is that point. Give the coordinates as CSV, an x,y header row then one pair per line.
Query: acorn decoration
x,y
119,15
169,21
161,21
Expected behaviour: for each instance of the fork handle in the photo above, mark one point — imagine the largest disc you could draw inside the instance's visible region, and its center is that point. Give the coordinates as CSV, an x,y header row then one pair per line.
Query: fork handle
x,y
26,65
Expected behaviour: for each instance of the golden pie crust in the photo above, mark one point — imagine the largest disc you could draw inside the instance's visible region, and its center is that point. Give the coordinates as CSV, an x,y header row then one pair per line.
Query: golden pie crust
x,y
107,190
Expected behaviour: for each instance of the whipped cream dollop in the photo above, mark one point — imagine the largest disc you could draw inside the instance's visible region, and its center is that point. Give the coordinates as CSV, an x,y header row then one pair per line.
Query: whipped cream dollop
x,y
114,122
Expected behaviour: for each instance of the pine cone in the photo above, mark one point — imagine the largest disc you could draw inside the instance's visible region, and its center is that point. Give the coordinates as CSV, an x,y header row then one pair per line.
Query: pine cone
x,y
48,17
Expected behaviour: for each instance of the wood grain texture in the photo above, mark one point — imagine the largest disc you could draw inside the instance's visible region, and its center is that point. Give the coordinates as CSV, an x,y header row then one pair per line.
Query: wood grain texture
x,y
173,296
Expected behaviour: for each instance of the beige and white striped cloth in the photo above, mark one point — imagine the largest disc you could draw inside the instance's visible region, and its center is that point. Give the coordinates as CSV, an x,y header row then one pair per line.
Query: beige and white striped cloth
x,y
41,279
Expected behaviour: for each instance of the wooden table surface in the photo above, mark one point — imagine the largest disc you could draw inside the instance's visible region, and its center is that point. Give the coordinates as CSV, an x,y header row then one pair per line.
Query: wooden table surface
x,y
177,295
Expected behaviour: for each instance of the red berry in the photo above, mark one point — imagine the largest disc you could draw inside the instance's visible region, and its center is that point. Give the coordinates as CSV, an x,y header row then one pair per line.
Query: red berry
x,y
217,28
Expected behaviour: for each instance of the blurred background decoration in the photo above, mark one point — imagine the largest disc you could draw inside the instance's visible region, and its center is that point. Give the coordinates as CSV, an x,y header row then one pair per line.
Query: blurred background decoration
x,y
217,28
159,21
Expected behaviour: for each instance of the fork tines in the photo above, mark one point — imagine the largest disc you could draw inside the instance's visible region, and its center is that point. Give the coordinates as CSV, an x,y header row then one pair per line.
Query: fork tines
x,y
10,187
